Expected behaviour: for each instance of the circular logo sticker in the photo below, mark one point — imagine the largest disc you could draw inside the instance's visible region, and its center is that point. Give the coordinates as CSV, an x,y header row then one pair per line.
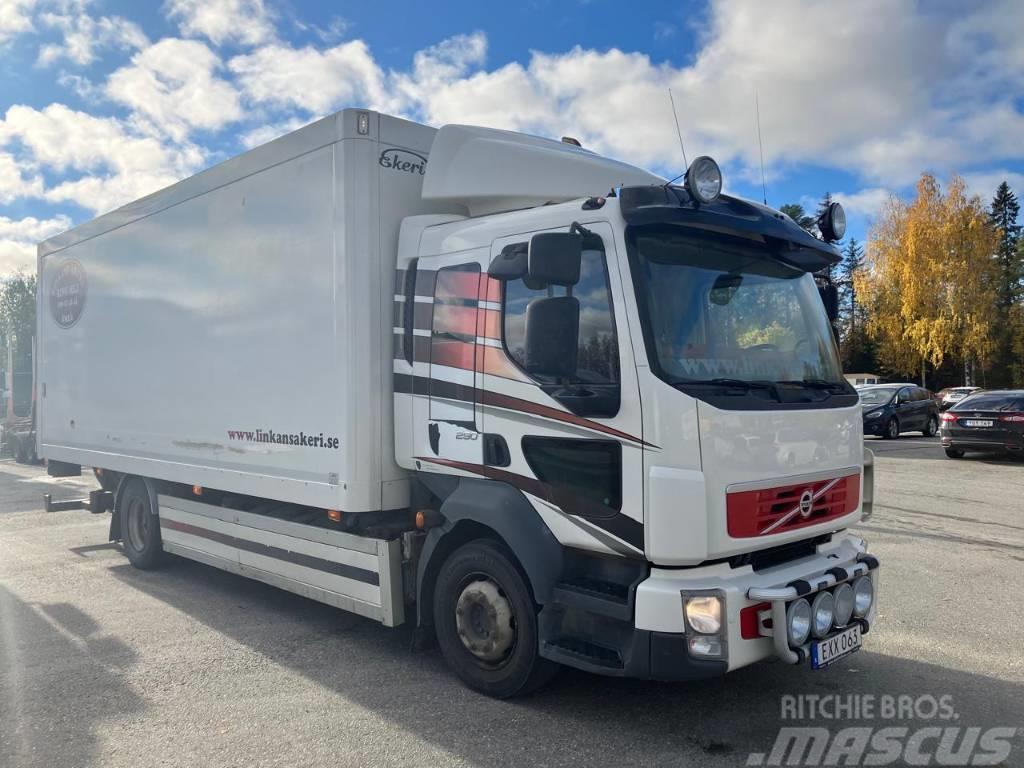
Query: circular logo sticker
x,y
67,293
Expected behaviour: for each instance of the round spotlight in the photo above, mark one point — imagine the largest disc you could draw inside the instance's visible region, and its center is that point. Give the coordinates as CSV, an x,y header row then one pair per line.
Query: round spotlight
x,y
832,223
823,613
704,179
844,604
798,621
863,596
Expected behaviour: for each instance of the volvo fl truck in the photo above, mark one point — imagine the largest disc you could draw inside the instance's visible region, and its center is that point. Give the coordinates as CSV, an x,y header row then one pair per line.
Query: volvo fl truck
x,y
539,403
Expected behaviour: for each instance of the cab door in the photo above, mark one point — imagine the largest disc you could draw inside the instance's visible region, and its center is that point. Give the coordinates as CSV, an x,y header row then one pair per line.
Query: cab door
x,y
573,443
447,409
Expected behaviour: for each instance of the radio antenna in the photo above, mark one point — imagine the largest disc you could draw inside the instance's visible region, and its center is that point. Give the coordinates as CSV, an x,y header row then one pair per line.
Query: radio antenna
x,y
679,132
760,145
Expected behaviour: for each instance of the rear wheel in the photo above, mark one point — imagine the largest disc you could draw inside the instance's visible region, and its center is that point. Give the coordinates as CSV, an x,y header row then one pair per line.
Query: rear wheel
x,y
892,429
140,526
954,453
931,427
486,622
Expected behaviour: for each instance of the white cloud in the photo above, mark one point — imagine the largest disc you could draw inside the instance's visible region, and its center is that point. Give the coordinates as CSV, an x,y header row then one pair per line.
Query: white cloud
x,y
172,88
84,35
14,183
104,163
247,22
18,238
15,18
310,79
984,183
864,203
269,132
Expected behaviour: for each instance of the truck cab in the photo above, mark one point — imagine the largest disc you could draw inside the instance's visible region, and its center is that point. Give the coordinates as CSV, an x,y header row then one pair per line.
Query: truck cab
x,y
655,379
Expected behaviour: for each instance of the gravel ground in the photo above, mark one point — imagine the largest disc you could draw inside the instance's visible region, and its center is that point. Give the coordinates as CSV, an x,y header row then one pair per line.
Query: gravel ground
x,y
103,665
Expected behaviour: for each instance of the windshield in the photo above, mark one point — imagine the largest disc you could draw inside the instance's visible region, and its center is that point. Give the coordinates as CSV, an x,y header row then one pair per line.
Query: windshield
x,y
992,401
876,396
718,308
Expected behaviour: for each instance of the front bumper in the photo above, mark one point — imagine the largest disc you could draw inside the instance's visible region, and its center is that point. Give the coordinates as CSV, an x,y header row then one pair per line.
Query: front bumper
x,y
659,599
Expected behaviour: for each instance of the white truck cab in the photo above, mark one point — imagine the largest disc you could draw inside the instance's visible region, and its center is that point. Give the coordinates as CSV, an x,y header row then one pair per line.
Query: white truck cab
x,y
610,429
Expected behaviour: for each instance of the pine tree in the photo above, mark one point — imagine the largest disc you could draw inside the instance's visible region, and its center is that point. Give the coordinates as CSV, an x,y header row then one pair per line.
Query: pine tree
x,y
796,212
1009,260
1003,216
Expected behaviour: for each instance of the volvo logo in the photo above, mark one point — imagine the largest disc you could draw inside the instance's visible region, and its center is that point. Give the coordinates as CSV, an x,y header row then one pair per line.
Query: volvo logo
x,y
806,503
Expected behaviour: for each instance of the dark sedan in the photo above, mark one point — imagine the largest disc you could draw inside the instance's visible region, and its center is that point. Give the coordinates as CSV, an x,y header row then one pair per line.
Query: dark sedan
x,y
988,421
890,409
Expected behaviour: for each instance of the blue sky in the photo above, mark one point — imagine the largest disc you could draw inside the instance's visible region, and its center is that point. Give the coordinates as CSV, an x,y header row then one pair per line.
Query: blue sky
x,y
104,101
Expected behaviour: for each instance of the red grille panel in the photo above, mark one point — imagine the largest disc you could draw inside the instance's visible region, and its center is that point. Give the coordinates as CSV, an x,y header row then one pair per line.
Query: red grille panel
x,y
771,510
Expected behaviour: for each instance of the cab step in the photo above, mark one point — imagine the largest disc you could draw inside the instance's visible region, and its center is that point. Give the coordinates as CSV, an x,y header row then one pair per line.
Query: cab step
x,y
582,654
601,597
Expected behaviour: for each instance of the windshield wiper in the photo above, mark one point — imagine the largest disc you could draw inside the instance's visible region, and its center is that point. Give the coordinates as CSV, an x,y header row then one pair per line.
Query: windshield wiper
x,y
768,386
831,386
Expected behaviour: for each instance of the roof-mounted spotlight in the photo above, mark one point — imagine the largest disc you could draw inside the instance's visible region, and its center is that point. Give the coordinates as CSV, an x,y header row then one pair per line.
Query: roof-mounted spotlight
x,y
832,223
704,180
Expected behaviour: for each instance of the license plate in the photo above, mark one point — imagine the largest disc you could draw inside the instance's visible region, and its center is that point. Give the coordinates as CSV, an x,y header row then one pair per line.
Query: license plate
x,y
824,652
978,422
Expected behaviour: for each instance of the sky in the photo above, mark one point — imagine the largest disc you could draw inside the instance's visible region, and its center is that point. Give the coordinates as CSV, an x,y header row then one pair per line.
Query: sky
x,y
104,101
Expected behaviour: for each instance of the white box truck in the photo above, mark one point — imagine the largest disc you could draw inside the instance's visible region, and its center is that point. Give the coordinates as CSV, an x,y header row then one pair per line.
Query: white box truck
x,y
542,404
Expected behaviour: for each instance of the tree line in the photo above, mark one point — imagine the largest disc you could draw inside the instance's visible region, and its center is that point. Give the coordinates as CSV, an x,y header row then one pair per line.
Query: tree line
x,y
937,292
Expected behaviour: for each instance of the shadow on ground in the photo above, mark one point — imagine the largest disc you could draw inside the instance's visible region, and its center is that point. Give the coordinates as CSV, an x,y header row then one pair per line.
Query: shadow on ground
x,y
580,718
59,676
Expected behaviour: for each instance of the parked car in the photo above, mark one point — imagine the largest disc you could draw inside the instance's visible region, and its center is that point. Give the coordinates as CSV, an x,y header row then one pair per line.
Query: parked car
x,y
985,421
952,395
890,409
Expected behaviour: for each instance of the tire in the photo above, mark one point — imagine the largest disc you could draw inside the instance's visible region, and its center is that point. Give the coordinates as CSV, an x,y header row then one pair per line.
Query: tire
x,y
931,427
480,590
140,527
892,429
954,453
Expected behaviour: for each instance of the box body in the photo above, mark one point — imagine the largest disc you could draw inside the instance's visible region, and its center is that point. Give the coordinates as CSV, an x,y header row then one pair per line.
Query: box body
x,y
234,330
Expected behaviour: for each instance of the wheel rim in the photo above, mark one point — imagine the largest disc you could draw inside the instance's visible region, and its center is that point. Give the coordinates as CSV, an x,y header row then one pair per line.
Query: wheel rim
x,y
485,621
894,428
933,425
138,524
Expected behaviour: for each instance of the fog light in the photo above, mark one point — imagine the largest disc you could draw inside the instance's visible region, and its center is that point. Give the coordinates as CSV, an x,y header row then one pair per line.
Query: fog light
x,y
844,604
798,621
704,179
704,614
705,646
863,596
823,612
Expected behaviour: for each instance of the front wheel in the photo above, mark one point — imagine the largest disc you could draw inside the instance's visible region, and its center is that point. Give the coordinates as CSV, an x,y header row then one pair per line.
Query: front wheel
x,y
892,429
931,427
954,453
140,526
486,622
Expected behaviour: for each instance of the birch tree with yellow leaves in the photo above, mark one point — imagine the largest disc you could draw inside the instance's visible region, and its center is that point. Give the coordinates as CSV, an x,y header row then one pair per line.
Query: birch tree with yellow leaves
x,y
928,282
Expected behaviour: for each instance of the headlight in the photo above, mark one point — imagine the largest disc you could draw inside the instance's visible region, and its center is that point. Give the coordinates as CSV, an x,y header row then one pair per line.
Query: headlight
x,y
863,596
844,604
704,614
823,611
832,223
704,179
798,621
873,415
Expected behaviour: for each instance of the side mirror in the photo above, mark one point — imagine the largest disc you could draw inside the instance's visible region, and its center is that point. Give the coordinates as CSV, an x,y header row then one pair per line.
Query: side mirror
x,y
830,298
552,336
554,258
511,263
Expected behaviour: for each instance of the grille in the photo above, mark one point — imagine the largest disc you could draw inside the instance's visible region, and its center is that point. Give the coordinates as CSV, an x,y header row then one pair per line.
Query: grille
x,y
769,511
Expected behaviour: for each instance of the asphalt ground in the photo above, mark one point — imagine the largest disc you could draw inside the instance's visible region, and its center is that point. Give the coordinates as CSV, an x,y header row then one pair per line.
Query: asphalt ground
x,y
104,665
